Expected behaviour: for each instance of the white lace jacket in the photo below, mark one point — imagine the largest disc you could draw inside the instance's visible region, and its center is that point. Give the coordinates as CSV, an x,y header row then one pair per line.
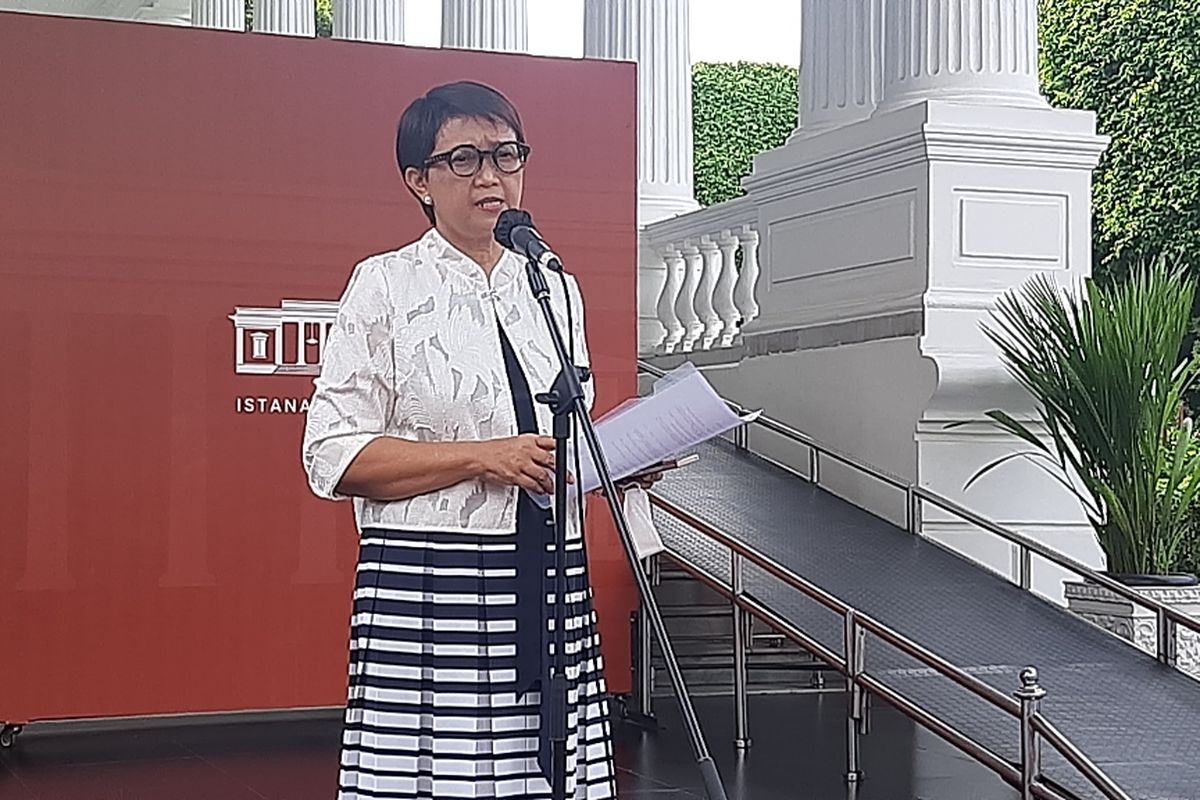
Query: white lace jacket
x,y
415,354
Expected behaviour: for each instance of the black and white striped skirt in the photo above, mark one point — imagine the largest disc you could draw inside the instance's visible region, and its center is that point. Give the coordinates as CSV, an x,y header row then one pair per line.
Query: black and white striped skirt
x,y
434,709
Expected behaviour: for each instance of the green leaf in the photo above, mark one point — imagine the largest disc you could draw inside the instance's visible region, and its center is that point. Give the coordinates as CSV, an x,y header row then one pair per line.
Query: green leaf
x,y
1103,366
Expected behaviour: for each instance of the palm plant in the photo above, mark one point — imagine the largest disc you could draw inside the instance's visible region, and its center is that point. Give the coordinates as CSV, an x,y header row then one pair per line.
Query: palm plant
x,y
1108,380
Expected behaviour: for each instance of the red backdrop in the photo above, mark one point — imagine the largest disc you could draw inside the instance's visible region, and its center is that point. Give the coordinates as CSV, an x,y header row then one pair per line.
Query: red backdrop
x,y
159,549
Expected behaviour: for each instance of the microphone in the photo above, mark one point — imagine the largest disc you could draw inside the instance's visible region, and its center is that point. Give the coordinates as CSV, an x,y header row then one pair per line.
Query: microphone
x,y
514,230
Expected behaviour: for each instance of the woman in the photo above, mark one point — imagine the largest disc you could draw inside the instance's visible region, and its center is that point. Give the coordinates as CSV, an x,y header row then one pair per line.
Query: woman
x,y
423,414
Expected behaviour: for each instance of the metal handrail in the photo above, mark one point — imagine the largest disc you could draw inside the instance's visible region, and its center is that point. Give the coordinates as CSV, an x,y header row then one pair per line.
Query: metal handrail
x,y
787,431
742,552
852,665
1077,758
1078,567
1163,612
896,639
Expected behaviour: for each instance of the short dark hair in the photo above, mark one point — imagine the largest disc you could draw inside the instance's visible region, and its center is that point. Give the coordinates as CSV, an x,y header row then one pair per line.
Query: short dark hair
x,y
423,120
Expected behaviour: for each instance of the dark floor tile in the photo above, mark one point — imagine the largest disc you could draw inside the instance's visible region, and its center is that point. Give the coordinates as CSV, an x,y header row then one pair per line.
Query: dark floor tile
x,y
284,776
48,747
176,779
632,783
799,751
12,787
291,736
964,789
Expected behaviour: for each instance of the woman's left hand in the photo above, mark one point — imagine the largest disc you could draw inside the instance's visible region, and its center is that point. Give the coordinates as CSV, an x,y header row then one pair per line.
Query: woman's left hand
x,y
645,482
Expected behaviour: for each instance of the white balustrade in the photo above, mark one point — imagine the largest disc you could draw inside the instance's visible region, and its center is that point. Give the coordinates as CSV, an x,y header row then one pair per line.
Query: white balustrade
x,y
747,282
685,305
711,270
723,302
666,303
711,259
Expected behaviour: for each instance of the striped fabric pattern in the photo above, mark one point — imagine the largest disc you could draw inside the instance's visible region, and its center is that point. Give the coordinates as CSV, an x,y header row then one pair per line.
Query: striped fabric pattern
x,y
433,708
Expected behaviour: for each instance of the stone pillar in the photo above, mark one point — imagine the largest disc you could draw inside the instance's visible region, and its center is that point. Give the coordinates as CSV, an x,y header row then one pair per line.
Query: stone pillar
x,y
294,17
228,15
840,63
369,20
486,25
655,34
973,50
885,247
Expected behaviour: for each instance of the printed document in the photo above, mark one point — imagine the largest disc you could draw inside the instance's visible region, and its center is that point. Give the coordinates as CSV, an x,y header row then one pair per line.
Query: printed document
x,y
682,411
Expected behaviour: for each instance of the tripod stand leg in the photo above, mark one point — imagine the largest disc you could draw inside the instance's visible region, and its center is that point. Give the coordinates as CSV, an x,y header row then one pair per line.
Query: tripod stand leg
x,y
566,400
708,769
644,654
558,679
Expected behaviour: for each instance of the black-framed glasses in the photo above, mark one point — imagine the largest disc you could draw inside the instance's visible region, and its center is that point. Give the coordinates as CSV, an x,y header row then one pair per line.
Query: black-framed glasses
x,y
467,159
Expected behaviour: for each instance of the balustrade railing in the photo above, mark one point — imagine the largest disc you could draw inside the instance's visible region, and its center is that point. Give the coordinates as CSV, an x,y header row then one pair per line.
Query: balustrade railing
x,y
711,262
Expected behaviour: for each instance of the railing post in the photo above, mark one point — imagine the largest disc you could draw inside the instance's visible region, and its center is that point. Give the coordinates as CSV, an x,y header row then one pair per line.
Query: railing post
x,y
1168,643
644,644
1024,567
912,510
814,466
856,717
740,634
1030,694
741,437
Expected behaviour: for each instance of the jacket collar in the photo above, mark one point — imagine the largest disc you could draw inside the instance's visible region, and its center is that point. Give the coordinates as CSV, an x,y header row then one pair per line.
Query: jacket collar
x,y
441,250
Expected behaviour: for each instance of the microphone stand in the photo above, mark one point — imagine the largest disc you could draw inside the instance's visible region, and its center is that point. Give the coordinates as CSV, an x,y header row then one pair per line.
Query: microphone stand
x,y
565,399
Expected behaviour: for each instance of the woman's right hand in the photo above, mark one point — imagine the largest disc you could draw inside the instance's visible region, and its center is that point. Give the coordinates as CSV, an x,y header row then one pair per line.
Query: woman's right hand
x,y
526,461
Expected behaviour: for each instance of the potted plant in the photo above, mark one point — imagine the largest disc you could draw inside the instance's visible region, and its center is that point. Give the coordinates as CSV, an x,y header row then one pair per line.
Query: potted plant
x,y
1106,371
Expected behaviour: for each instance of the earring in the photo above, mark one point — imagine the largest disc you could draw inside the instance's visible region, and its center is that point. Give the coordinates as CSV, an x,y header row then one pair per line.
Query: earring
x,y
428,200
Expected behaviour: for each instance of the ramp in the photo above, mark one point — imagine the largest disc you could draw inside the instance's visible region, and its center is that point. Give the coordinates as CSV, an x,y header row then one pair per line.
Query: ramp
x,y
1134,720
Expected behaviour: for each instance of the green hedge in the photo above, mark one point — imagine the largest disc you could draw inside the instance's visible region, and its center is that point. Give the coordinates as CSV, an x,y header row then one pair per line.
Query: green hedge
x,y
738,110
1136,63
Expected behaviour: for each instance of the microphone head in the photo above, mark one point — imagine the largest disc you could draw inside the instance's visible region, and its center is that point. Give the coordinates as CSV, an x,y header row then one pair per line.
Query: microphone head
x,y
508,220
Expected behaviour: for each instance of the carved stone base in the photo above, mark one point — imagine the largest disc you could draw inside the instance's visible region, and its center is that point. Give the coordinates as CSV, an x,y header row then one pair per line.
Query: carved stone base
x,y
1138,624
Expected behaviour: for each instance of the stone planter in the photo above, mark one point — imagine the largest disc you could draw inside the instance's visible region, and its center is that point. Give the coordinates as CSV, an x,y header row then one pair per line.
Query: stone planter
x,y
1138,624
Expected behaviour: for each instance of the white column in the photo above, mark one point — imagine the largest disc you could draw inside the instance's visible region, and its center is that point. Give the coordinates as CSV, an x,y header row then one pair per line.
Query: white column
x,y
973,50
369,20
300,331
240,345
882,261
294,17
839,63
486,25
228,15
655,34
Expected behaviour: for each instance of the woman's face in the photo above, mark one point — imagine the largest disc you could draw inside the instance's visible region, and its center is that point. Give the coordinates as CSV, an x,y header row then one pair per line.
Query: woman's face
x,y
467,205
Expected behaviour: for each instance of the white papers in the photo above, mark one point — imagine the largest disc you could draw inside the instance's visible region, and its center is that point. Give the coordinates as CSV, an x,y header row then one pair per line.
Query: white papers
x,y
682,411
646,539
